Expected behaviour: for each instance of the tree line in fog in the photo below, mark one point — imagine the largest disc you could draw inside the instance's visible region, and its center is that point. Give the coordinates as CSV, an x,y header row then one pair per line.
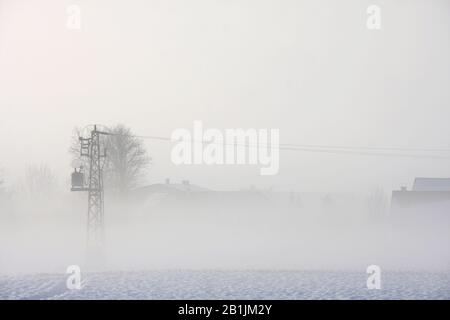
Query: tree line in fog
x,y
125,168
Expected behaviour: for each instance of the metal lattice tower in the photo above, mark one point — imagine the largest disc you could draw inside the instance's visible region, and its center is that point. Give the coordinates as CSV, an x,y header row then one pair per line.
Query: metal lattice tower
x,y
95,219
91,147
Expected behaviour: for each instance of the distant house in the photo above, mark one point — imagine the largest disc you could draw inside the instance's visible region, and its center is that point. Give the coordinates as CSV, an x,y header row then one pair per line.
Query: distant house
x,y
184,196
162,194
171,188
431,184
187,198
429,198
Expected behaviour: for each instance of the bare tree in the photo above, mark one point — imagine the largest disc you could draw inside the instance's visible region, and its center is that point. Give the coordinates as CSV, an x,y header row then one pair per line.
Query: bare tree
x,y
39,181
127,158
126,162
377,203
74,149
2,180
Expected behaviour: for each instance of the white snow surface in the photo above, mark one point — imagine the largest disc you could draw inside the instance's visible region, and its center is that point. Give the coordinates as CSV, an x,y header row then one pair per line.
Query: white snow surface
x,y
184,284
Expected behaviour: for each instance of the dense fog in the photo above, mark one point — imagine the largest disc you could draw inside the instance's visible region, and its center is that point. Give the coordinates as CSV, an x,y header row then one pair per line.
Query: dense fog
x,y
200,232
366,110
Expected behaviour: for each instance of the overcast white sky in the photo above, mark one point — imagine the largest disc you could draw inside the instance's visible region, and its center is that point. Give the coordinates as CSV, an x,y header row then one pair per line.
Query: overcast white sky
x,y
309,68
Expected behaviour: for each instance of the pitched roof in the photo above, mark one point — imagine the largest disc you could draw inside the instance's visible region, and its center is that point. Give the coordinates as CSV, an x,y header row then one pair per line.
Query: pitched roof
x,y
172,187
431,184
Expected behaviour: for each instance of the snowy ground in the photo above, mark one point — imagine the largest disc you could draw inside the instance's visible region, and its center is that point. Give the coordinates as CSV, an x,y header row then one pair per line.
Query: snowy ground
x,y
228,285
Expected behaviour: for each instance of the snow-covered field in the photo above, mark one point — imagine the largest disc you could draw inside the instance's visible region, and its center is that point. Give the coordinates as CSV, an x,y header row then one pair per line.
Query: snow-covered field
x,y
228,285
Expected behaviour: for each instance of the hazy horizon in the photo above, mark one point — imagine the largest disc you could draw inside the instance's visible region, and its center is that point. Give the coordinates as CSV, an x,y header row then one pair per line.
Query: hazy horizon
x,y
308,68
317,113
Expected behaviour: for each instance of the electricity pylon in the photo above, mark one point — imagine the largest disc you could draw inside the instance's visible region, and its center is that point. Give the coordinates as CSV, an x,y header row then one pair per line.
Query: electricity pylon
x,y
91,148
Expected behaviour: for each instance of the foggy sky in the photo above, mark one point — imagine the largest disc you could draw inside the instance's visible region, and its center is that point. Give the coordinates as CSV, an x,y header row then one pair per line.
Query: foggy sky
x,y
309,68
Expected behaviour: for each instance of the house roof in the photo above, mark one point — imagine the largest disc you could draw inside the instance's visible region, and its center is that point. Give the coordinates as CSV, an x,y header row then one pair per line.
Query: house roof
x,y
171,187
431,184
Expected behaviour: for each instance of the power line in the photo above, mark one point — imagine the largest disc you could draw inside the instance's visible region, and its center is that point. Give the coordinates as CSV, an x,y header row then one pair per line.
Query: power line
x,y
348,150
363,153
326,148
365,148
